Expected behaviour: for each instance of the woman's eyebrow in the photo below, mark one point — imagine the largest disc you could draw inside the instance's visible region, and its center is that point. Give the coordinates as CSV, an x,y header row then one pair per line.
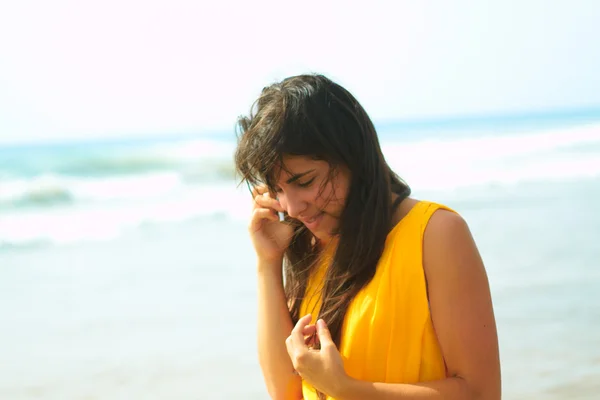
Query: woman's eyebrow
x,y
298,176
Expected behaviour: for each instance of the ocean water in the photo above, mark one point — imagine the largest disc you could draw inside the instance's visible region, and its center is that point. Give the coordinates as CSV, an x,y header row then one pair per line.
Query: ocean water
x,y
126,271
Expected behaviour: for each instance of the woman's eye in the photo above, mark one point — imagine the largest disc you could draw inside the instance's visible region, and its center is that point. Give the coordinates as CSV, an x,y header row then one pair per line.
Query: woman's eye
x,y
306,184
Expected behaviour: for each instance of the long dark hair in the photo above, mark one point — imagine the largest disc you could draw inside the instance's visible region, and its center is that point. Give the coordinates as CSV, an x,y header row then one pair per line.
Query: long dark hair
x,y
312,116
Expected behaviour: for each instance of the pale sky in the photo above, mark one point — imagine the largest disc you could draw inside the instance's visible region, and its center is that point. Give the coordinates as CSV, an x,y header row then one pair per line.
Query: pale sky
x,y
75,69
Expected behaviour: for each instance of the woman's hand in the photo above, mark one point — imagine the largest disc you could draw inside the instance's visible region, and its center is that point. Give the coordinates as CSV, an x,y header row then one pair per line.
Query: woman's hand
x,y
322,368
270,237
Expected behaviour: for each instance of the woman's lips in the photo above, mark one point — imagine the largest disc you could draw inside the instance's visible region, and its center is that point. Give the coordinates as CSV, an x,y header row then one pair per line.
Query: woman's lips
x,y
313,222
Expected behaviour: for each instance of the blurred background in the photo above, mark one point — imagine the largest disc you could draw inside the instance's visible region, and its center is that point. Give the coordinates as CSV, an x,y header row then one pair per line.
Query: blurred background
x,y
125,267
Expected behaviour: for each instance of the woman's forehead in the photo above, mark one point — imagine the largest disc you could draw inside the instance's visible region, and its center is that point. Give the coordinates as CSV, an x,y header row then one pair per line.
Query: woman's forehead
x,y
295,165
292,162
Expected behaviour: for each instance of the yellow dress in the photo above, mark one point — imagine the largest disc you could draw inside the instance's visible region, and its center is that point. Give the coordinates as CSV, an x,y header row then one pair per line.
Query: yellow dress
x,y
388,335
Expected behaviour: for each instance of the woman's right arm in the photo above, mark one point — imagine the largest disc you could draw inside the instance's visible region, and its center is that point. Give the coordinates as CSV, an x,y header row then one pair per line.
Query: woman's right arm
x,y
270,238
274,326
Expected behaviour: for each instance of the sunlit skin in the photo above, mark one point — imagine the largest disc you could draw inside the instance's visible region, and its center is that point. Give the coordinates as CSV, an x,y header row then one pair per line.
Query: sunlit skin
x,y
308,193
304,190
458,290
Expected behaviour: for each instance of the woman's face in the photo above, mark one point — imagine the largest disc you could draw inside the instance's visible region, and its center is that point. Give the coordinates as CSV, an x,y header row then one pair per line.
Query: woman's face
x,y
307,194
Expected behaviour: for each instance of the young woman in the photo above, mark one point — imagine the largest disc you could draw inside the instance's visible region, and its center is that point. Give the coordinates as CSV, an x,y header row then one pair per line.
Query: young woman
x,y
363,291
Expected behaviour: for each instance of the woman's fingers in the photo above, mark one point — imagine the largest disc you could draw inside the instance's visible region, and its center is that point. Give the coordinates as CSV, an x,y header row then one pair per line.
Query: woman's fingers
x,y
260,214
297,337
262,198
296,344
259,190
266,201
309,330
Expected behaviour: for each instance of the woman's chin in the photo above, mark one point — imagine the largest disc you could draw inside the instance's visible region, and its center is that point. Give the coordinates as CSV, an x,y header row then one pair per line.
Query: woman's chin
x,y
323,237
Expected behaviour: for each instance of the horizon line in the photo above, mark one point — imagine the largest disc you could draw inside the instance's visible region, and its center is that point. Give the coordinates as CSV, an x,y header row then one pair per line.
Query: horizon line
x,y
579,114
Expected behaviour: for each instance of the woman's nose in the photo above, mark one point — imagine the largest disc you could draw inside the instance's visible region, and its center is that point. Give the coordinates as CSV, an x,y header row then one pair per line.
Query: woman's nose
x,y
293,205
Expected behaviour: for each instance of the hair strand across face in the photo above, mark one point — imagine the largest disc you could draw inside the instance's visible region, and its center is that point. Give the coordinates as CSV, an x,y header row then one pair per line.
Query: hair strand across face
x,y
311,116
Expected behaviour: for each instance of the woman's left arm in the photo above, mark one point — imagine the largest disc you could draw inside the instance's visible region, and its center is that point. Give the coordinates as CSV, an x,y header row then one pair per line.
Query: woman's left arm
x,y
463,318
